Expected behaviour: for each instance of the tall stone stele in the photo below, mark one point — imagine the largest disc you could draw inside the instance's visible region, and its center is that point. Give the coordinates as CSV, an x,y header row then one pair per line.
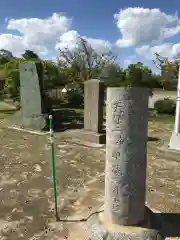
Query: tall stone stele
x,y
174,143
93,112
34,105
125,214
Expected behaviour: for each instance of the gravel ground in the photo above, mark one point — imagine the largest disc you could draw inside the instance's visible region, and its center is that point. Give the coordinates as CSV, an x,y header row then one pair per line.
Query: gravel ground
x,y
26,194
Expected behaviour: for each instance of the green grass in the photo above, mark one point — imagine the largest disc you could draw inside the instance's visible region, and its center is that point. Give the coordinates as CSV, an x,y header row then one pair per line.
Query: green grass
x,y
75,113
164,118
76,110
7,111
160,91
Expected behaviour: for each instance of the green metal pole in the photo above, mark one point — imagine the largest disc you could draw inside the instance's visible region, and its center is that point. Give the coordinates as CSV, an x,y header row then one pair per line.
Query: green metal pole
x,y
53,165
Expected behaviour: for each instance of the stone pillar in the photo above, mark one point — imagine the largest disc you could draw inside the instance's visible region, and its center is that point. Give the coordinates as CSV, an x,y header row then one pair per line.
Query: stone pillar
x,y
125,181
125,215
93,112
93,105
34,106
174,143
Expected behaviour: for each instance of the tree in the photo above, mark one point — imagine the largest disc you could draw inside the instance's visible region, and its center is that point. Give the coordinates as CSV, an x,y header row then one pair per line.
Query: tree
x,y
5,56
53,76
156,81
112,75
28,54
137,75
9,71
160,61
84,62
12,81
169,69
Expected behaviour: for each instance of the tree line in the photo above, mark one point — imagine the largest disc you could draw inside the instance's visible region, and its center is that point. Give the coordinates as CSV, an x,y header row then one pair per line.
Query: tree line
x,y
77,66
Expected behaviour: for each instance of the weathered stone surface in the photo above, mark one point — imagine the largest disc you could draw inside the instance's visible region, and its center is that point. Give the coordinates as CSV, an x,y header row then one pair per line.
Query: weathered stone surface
x,y
20,152
101,229
174,143
126,149
93,113
34,107
93,105
89,136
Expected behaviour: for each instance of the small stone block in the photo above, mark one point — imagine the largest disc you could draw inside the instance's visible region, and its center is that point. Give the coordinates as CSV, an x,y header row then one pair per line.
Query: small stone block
x,y
89,136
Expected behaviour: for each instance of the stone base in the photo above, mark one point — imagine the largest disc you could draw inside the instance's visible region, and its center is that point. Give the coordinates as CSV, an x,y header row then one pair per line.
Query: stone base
x,y
165,148
174,143
100,229
92,137
41,133
37,123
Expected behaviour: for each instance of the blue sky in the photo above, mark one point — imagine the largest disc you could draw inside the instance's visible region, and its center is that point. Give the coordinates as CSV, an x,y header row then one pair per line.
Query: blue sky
x,y
141,29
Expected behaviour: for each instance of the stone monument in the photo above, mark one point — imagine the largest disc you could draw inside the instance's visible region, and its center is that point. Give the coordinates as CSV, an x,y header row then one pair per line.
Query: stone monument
x,y
125,215
34,110
174,143
93,112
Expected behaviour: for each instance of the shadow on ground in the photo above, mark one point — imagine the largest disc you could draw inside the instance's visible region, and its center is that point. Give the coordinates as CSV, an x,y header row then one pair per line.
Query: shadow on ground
x,y
153,139
66,119
8,111
169,224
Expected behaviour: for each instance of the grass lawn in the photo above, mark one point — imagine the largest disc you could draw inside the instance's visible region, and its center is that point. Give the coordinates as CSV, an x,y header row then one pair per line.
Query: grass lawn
x,y
76,116
6,110
164,118
164,92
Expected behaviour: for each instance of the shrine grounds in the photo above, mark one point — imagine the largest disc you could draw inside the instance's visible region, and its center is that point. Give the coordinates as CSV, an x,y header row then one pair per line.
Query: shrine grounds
x,y
26,191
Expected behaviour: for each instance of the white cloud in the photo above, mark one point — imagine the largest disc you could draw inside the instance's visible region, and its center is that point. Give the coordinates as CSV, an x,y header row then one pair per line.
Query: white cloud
x,y
71,40
41,31
37,34
45,36
129,60
141,26
168,50
100,45
68,40
12,43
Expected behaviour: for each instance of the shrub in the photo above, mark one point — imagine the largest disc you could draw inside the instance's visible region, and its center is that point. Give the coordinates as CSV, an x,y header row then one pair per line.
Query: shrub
x,y
75,97
167,106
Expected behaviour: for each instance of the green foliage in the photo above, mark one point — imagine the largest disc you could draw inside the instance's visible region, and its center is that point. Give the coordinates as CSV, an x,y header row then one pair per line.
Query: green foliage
x,y
5,56
155,81
12,83
12,78
75,96
28,54
165,106
75,67
52,75
84,62
112,75
11,75
137,75
169,69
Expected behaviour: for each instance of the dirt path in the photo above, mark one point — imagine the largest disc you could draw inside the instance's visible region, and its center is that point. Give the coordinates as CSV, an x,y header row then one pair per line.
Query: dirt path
x,y
25,180
26,196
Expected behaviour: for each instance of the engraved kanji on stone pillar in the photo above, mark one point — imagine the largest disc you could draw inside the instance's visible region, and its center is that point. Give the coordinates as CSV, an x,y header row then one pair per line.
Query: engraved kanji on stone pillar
x,y
126,148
